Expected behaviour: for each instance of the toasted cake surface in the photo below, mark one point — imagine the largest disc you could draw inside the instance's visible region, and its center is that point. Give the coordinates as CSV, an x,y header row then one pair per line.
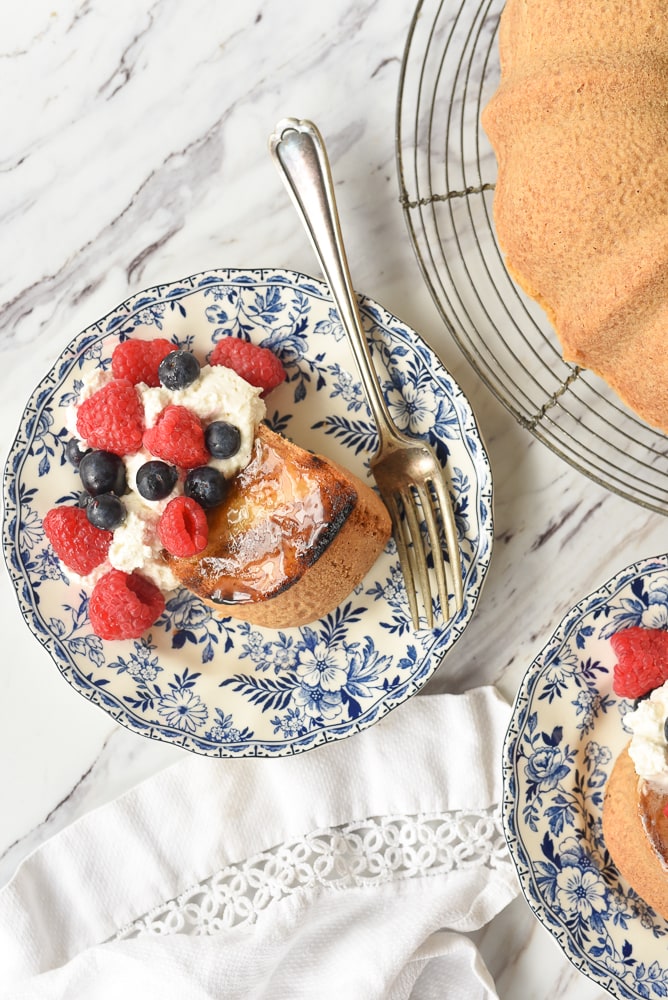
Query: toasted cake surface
x,y
578,125
635,831
294,535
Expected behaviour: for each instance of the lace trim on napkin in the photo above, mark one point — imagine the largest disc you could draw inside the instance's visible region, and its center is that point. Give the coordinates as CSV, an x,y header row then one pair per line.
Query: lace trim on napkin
x,y
366,853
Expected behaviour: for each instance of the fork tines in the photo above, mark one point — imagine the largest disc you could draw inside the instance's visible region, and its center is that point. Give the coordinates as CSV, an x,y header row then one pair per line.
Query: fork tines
x,y
421,510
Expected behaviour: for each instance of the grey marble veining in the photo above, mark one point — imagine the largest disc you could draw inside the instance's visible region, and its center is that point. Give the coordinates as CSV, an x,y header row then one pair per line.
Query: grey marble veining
x,y
135,152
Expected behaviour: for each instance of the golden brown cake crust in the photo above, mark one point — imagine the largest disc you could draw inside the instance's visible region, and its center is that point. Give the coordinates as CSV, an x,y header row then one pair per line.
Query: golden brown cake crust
x,y
627,818
315,559
578,125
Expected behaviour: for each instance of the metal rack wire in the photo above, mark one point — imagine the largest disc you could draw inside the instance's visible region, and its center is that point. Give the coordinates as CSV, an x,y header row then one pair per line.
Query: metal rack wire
x,y
447,171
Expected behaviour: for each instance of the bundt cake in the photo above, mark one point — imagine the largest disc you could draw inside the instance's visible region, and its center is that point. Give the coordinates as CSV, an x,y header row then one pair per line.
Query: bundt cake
x,y
292,538
578,125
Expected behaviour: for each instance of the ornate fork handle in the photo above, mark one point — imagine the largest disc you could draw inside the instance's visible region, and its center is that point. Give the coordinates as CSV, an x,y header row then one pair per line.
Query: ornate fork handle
x,y
299,151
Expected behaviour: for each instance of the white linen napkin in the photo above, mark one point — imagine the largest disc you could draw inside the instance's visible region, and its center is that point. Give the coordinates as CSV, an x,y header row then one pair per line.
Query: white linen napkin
x,y
351,871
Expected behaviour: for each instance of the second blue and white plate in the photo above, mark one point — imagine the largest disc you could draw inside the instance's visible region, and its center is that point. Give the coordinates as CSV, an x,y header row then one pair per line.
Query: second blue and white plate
x,y
220,687
566,731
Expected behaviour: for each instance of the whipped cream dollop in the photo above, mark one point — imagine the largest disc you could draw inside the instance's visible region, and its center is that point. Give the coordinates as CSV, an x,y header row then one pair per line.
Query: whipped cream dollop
x,y
648,748
217,394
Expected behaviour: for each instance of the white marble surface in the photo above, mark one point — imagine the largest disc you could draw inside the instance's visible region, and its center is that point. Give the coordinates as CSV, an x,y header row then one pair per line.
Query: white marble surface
x,y
135,151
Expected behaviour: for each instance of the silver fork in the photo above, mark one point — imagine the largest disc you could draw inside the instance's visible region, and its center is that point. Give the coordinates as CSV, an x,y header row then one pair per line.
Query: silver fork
x,y
410,479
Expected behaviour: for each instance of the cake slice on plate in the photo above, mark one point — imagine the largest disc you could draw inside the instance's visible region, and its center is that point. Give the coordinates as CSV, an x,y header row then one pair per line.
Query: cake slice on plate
x,y
293,537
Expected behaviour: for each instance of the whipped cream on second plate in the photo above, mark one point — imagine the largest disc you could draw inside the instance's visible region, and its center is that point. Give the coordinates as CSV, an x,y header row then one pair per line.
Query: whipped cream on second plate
x,y
648,748
217,394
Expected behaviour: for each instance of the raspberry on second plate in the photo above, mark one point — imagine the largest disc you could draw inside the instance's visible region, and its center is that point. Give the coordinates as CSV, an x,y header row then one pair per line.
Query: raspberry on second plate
x,y
112,419
642,655
257,365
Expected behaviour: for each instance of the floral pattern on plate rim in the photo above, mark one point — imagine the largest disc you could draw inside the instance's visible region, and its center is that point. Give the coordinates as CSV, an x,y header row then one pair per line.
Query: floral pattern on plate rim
x,y
271,692
566,730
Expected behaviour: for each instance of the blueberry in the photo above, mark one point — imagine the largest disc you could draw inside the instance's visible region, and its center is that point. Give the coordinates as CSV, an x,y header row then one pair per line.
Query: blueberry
x,y
156,480
84,499
178,370
205,485
103,472
74,453
222,439
105,511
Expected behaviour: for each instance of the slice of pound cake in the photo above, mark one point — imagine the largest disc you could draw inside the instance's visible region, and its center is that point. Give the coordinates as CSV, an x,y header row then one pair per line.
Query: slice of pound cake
x,y
635,807
292,538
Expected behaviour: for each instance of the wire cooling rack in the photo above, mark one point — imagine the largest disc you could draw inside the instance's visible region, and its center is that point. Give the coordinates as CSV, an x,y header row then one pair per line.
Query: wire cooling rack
x,y
447,172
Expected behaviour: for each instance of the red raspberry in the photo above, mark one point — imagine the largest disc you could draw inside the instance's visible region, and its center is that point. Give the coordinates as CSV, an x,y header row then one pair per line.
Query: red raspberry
x,y
123,605
257,365
138,360
76,542
183,527
177,437
112,419
642,665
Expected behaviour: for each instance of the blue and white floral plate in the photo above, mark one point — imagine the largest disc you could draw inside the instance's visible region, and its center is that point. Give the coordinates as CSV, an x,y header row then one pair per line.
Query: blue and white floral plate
x,y
567,728
219,687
